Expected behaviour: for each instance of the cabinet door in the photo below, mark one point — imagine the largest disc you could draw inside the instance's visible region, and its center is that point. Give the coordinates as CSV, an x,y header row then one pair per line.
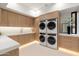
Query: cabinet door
x,y
24,21
24,24
0,16
69,42
4,20
29,22
13,19
16,38
24,39
20,20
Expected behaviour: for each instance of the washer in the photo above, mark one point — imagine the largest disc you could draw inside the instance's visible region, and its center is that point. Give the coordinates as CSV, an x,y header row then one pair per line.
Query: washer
x,y
52,25
42,26
52,41
42,39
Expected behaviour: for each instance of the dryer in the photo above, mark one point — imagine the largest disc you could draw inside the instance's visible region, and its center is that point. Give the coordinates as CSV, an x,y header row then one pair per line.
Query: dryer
x,y
52,25
42,26
42,39
52,41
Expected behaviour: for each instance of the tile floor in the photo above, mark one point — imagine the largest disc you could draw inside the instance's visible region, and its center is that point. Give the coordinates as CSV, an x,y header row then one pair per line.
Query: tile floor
x,y
35,49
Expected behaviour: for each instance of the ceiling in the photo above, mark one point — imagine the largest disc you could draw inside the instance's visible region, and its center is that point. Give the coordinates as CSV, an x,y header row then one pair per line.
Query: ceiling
x,y
35,9
38,6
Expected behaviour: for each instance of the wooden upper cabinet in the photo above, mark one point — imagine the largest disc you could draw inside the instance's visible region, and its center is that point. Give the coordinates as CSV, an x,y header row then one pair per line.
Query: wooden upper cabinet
x,y
4,20
0,16
29,22
20,20
12,19
54,14
8,18
25,21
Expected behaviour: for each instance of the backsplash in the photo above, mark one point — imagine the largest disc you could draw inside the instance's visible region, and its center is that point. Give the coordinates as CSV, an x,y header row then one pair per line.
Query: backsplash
x,y
15,30
66,17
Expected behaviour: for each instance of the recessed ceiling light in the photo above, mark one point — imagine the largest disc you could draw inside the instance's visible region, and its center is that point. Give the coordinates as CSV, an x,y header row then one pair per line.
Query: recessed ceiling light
x,y
59,4
35,13
11,5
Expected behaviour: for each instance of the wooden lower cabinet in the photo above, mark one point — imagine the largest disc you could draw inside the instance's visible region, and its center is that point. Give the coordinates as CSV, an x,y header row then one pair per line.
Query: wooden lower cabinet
x,y
69,42
15,37
14,52
23,39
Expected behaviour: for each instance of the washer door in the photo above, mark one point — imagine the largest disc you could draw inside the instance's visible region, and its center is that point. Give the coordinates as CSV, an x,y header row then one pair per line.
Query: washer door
x,y
51,40
42,38
51,25
42,26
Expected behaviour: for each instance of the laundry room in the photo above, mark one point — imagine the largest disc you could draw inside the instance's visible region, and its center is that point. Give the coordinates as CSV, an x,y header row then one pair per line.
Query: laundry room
x,y
39,29
56,30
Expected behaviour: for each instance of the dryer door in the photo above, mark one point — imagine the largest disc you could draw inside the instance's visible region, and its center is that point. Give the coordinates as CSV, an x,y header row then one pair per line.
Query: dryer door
x,y
51,40
42,26
42,38
51,25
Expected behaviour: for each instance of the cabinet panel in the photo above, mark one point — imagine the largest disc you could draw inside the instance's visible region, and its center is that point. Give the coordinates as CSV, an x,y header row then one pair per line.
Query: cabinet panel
x,y
16,38
68,42
23,39
54,14
29,21
8,18
0,16
4,21
20,20
24,24
13,19
26,38
36,28
25,21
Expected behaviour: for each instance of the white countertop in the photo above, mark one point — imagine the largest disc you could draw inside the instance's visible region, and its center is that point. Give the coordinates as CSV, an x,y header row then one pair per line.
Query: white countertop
x,y
7,44
73,35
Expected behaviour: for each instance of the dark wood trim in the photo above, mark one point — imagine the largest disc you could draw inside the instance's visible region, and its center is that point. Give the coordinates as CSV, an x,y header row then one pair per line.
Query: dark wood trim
x,y
75,12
